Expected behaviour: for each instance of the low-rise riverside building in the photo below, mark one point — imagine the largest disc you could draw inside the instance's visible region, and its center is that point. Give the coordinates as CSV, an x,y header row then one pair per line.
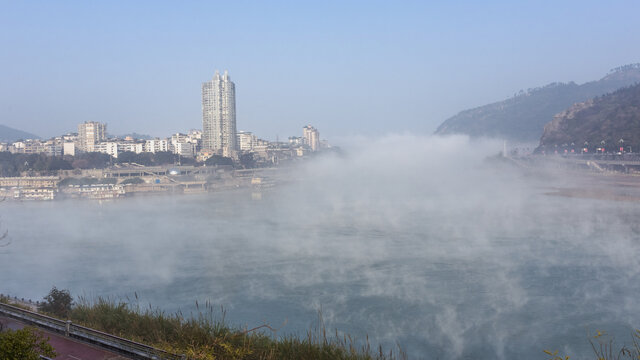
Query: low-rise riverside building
x,y
95,191
34,193
52,147
183,145
113,148
29,187
246,141
23,193
30,181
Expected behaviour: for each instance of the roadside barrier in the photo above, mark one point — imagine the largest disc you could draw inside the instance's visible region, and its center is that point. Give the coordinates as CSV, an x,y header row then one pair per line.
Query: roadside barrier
x,y
107,341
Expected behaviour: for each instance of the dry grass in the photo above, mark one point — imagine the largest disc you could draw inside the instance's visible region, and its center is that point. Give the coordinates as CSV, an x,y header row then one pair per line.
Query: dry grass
x,y
206,336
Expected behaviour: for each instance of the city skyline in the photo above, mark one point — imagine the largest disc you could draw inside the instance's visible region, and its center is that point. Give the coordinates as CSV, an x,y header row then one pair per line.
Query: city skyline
x,y
322,64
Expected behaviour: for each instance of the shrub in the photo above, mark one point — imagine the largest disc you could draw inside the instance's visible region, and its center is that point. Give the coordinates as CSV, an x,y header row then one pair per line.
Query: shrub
x,y
135,180
24,344
57,302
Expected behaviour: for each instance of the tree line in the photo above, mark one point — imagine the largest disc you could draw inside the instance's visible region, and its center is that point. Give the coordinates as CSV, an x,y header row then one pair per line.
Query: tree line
x,y
16,164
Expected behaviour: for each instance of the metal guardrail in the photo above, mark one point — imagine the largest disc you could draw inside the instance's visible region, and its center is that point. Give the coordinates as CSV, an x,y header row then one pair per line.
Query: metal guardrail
x,y
67,328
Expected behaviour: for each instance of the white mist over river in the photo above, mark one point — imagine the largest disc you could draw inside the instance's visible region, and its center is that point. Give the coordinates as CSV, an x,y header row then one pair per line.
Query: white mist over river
x,y
411,240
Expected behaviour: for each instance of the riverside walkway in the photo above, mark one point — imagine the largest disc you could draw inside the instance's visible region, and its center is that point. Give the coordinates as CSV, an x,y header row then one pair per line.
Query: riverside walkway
x,y
71,341
67,348
628,163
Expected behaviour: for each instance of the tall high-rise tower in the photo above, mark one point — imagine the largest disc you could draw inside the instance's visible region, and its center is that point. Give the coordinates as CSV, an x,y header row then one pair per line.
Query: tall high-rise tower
x,y
90,133
219,115
311,137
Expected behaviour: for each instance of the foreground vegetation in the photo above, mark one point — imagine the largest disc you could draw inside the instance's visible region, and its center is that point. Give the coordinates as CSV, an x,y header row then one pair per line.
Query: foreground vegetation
x,y
605,348
24,344
205,336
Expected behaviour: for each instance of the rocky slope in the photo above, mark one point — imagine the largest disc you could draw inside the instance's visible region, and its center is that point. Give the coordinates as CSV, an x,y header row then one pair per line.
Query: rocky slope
x,y
607,118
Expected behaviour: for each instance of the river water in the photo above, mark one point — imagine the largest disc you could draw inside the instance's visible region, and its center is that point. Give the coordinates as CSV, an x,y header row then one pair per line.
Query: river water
x,y
449,257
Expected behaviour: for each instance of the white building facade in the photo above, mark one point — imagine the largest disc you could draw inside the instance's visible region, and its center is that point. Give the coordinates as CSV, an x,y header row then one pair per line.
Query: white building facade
x,y
156,145
246,141
183,145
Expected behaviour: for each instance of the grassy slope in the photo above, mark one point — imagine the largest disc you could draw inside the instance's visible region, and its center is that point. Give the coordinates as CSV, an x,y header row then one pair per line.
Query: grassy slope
x,y
204,337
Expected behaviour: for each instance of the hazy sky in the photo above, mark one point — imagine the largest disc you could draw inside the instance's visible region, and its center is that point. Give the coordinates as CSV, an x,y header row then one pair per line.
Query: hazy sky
x,y
347,68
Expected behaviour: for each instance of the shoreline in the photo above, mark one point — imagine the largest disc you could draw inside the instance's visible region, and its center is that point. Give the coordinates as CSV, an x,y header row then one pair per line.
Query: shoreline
x,y
600,186
570,179
191,181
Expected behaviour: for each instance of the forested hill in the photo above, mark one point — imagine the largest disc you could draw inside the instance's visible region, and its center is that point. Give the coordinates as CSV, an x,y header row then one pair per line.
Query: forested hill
x,y
522,117
609,118
8,134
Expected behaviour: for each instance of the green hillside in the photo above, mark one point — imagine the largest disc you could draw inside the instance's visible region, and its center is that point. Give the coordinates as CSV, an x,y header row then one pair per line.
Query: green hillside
x,y
522,117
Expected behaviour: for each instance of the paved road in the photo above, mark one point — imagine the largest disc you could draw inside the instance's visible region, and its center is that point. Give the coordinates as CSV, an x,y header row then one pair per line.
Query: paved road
x,y
66,348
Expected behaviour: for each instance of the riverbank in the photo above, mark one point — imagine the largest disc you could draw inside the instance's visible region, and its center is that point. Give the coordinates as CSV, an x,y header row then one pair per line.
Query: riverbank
x,y
575,178
113,183
612,187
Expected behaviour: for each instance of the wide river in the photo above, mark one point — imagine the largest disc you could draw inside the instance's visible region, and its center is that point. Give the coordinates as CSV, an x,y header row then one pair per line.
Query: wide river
x,y
451,258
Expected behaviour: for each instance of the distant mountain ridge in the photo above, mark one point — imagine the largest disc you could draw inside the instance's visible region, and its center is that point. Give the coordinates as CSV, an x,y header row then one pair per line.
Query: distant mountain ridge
x,y
522,117
8,134
609,118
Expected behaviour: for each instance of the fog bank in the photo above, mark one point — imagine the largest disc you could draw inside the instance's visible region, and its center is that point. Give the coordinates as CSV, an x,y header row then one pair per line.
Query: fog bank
x,y
416,240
